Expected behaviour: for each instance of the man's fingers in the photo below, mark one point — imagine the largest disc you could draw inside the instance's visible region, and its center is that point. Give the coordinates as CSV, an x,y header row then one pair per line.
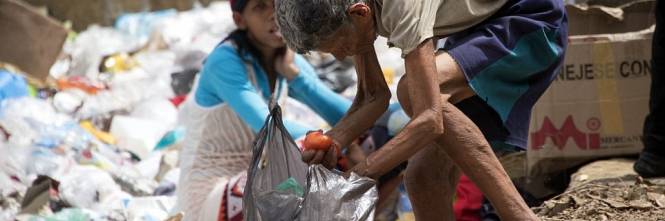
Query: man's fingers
x,y
308,155
330,159
318,157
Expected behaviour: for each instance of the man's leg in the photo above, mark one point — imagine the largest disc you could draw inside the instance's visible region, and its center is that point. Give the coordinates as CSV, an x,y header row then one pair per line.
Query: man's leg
x,y
430,180
467,147
652,160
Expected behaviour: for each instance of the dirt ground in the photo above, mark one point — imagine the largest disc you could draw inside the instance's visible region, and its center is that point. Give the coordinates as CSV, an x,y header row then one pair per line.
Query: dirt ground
x,y
607,190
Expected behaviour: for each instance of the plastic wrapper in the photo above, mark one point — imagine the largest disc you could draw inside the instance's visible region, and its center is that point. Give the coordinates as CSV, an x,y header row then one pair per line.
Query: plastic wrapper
x,y
274,189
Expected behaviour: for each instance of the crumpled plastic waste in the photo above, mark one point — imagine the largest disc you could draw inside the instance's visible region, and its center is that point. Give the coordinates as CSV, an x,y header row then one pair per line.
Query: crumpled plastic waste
x,y
105,128
91,188
80,83
141,25
101,135
12,85
131,181
69,214
137,135
35,121
117,63
91,45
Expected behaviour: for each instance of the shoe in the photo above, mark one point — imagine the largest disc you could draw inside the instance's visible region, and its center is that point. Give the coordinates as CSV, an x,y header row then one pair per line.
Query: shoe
x,y
650,165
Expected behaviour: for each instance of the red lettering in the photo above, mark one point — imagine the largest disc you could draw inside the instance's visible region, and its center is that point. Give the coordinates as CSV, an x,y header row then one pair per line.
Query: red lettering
x,y
561,135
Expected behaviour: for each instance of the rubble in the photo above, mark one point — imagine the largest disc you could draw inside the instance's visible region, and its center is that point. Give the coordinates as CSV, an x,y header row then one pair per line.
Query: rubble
x,y
607,190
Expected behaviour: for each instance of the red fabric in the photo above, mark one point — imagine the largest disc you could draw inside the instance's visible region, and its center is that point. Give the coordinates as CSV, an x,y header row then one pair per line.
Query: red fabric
x,y
231,206
468,201
178,100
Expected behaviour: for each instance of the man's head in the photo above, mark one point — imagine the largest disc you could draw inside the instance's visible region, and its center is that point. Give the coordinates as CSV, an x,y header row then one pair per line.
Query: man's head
x,y
340,27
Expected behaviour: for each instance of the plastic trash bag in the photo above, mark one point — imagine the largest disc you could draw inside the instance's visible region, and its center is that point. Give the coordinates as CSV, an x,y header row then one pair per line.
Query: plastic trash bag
x,y
330,196
275,160
276,177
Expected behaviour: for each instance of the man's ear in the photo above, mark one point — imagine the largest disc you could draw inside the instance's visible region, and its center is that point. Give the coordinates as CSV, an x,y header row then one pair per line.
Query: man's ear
x,y
239,20
359,12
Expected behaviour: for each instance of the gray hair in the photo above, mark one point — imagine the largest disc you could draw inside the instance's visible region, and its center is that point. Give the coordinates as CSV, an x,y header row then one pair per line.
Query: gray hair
x,y
304,23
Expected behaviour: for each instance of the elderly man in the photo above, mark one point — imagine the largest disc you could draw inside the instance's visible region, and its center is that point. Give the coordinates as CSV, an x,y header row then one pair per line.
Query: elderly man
x,y
466,99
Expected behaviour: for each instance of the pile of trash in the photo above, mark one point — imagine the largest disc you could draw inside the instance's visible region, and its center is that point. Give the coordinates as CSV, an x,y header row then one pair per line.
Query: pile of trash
x,y
99,140
601,192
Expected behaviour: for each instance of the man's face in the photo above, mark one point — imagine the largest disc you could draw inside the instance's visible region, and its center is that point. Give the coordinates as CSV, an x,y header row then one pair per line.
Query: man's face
x,y
350,39
341,44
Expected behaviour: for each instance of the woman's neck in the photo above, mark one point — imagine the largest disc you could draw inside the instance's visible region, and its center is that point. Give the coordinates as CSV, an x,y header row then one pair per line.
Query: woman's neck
x,y
267,61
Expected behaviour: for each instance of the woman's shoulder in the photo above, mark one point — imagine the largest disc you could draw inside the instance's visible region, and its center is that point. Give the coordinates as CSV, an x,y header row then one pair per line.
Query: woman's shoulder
x,y
223,63
225,51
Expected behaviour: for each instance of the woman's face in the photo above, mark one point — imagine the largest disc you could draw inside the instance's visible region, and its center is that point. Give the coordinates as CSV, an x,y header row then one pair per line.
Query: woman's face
x,y
259,21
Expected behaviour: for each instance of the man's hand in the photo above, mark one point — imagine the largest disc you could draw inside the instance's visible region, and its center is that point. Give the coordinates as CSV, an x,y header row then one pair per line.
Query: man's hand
x,y
362,169
425,102
327,158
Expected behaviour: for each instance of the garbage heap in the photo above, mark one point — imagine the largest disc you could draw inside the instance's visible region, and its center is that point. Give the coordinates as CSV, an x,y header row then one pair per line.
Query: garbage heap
x,y
97,139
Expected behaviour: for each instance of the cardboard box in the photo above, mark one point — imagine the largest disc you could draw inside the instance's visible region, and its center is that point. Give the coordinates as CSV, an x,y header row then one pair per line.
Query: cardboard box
x,y
597,19
596,106
28,39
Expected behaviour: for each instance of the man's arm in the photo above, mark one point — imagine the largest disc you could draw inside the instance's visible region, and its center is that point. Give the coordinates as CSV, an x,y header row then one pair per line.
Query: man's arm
x,y
371,101
427,119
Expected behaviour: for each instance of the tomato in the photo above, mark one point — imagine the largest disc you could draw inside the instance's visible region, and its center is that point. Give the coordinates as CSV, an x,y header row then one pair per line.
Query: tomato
x,y
316,140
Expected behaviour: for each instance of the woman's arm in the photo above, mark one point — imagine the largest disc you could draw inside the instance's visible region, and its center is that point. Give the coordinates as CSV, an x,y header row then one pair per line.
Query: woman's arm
x,y
224,76
308,89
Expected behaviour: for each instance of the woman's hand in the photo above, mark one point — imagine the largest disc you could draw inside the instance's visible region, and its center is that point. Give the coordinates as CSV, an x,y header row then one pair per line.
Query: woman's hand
x,y
284,64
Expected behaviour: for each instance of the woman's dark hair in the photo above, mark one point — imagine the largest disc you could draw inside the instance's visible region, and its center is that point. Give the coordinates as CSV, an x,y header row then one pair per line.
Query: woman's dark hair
x,y
240,38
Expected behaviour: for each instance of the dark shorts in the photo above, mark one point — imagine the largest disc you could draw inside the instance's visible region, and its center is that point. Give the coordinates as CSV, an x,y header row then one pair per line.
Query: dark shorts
x,y
509,60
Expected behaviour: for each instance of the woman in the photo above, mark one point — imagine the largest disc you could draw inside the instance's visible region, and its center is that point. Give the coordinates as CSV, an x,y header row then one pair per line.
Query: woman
x,y
230,104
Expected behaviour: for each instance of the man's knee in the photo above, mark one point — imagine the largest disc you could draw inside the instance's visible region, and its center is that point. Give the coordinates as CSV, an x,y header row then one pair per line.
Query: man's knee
x,y
451,79
431,169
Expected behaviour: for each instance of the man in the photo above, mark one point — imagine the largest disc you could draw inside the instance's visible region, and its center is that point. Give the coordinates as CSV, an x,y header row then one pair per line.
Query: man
x,y
498,59
652,159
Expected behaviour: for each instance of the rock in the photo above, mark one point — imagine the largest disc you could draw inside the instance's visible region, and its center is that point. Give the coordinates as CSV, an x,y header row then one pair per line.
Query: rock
x,y
640,204
657,198
604,170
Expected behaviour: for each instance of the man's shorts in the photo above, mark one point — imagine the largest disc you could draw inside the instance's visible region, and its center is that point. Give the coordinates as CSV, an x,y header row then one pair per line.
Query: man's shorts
x,y
509,60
